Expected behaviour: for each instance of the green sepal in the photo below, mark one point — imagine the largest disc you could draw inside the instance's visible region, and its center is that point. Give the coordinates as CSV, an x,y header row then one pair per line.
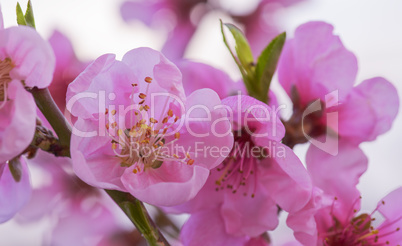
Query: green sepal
x,y
242,48
20,16
244,58
26,19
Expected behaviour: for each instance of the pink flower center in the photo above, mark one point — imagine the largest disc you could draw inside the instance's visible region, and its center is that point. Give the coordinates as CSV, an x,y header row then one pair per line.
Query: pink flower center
x,y
5,67
239,168
144,144
359,231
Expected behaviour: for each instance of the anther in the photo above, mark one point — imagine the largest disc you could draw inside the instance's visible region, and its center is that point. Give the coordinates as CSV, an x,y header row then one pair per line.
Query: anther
x,y
148,80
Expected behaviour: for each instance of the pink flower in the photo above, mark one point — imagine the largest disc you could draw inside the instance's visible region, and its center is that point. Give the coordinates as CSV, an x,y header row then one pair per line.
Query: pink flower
x,y
313,65
13,195
181,18
144,150
331,217
259,173
207,228
173,15
80,213
68,67
335,193
198,75
25,60
260,26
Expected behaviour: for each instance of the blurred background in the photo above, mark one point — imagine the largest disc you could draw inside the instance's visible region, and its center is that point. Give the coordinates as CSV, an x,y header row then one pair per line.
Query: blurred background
x,y
371,29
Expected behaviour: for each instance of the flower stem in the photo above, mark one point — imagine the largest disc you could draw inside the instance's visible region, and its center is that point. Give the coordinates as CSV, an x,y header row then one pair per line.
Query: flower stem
x,y
132,207
49,109
136,212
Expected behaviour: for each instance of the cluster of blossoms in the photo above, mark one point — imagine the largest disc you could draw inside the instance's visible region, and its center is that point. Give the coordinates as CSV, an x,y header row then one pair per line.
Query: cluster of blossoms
x,y
183,137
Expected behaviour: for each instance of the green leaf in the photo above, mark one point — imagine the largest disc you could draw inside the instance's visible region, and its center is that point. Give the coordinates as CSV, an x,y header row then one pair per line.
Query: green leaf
x,y
26,19
20,16
29,15
15,169
246,71
242,48
266,65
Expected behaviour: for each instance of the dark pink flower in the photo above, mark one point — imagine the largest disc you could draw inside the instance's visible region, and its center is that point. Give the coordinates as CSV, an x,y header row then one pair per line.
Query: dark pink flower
x,y
207,228
68,67
181,18
315,66
259,174
149,150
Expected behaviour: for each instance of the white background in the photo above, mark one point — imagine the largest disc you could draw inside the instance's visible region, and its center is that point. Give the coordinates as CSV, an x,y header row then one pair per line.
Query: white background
x,y
372,29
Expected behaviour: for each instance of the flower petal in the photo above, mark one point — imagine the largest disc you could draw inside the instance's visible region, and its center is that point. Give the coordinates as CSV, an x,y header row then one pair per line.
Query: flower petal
x,y
249,216
338,175
171,184
13,195
316,63
286,179
206,228
17,121
32,56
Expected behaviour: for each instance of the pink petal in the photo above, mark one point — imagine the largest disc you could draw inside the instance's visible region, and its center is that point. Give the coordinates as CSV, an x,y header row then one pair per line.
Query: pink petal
x,y
171,184
141,10
256,117
316,62
303,221
376,102
83,223
13,195
207,198
199,75
97,85
178,39
241,220
93,158
206,228
390,208
338,175
17,121
206,132
32,56
285,179
146,62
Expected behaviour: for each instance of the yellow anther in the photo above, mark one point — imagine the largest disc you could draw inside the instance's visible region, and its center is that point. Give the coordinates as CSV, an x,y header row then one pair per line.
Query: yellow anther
x,y
146,107
165,120
113,112
177,135
190,162
142,96
114,146
134,85
152,120
170,113
148,79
